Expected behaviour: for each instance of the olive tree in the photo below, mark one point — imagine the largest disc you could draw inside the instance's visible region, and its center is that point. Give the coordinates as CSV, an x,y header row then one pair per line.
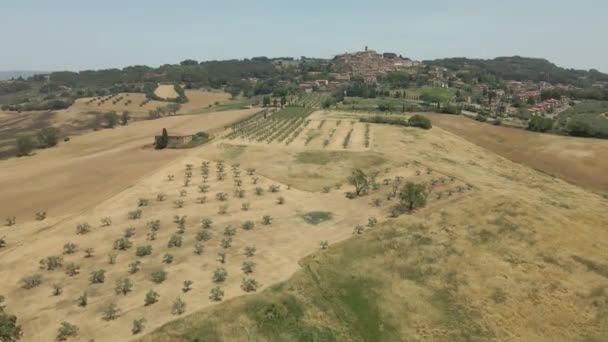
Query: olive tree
x,y
151,297
216,294
219,275
249,285
178,307
138,326
248,267
123,286
412,196
110,312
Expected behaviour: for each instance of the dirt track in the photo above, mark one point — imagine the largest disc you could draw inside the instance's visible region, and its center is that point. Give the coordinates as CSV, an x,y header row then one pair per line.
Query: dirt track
x,y
92,167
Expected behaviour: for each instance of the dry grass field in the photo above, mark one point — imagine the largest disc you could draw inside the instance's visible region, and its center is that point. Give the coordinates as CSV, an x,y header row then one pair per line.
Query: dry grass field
x,y
166,91
137,104
94,166
87,114
500,252
578,160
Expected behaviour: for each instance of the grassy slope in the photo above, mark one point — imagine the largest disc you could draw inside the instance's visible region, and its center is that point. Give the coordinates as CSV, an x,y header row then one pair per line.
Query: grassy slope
x,y
519,260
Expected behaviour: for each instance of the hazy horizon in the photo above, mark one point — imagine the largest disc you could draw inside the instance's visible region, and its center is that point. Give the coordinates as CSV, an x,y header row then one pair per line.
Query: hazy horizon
x,y
71,35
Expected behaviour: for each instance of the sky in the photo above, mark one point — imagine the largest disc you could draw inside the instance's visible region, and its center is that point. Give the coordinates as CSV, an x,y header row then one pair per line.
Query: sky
x,y
84,34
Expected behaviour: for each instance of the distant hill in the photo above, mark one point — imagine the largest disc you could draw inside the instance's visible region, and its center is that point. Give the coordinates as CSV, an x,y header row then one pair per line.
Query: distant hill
x,y
520,69
7,75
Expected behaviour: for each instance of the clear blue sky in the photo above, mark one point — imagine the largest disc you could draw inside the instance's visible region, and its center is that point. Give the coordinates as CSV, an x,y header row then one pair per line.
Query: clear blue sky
x,y
83,34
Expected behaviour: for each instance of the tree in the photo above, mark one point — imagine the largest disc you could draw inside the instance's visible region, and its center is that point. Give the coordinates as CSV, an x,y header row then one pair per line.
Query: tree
x,y
48,137
97,277
283,101
124,118
173,108
412,196
249,285
266,101
163,140
25,145
123,286
65,331
360,181
216,294
111,119
420,121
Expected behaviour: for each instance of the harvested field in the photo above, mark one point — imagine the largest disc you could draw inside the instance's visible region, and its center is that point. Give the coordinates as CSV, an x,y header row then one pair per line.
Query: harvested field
x,y
581,161
139,105
93,167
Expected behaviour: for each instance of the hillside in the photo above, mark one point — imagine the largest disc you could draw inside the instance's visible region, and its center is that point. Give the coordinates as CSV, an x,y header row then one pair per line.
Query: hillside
x,y
521,69
517,258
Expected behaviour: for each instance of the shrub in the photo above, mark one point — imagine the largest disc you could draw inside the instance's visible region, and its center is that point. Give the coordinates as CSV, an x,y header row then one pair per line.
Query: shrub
x,y
249,285
420,121
110,312
198,248
259,191
71,269
129,232
274,188
48,137
106,221
245,206
281,200
206,223
266,220
187,286
178,307
223,209
51,263
216,294
31,282
83,228
142,251
359,229
66,330
69,248
250,251
226,242
83,299
25,145
41,215
151,297
122,244
175,241
248,267
97,277
158,276
324,244
123,286
219,275
248,225
135,214
89,252
168,259
138,326
203,235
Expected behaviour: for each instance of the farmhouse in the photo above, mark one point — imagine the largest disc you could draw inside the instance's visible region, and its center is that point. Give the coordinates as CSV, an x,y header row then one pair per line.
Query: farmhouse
x,y
177,138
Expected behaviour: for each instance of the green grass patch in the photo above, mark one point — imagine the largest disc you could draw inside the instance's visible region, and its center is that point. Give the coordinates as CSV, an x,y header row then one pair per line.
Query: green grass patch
x,y
316,157
316,217
234,151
